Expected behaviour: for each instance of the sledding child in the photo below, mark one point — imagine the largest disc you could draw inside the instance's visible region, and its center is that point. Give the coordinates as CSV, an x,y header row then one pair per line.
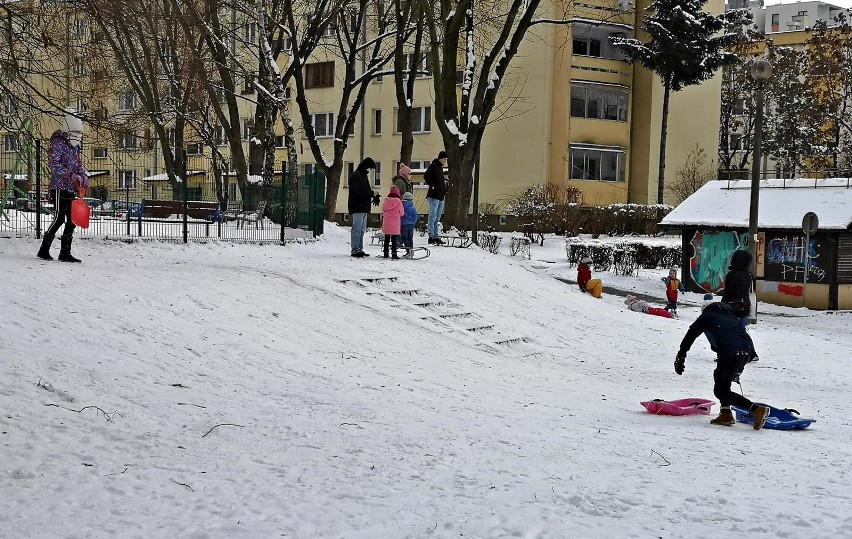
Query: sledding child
x,y
637,305
734,349
585,281
408,221
392,212
673,285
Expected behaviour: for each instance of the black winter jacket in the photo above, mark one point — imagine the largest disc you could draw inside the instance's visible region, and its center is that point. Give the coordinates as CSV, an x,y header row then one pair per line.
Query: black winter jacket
x,y
360,192
727,337
434,178
738,283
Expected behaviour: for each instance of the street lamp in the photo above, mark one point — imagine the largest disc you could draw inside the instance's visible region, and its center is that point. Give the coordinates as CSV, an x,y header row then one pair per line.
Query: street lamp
x,y
761,70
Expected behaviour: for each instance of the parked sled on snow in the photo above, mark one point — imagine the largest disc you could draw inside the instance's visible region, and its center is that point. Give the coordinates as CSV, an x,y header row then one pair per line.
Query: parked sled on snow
x,y
779,419
679,407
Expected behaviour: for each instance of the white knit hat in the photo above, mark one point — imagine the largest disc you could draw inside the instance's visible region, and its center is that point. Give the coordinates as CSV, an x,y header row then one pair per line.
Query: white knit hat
x,y
72,122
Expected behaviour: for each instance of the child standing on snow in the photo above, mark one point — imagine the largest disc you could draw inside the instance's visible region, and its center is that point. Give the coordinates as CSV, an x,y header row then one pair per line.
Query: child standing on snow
x,y
392,212
673,285
408,221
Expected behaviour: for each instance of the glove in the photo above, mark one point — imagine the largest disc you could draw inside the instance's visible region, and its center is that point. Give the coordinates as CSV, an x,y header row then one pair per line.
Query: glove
x,y
376,198
680,363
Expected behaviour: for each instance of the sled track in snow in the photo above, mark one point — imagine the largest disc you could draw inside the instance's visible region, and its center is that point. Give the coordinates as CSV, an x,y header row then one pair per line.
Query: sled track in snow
x,y
441,314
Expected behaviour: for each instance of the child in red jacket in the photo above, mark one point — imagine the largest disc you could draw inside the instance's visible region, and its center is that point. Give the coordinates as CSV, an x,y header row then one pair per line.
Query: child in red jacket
x,y
585,281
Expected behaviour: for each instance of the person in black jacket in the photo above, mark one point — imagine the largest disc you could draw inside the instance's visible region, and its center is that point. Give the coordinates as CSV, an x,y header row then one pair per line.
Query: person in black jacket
x,y
434,178
734,348
361,195
738,285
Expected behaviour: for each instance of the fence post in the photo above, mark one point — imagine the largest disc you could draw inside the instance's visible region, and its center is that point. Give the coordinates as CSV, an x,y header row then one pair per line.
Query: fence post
x,y
38,188
284,213
185,194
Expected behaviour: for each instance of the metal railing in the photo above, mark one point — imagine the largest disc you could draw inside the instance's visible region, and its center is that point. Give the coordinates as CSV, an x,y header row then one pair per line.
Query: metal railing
x,y
128,206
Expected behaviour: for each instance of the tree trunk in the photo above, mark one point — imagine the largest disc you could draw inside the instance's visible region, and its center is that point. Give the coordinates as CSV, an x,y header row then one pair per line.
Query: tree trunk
x,y
661,187
332,186
459,188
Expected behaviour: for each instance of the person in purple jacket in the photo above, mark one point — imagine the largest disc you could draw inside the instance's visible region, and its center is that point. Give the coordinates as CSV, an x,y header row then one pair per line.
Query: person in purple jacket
x,y
67,176
408,221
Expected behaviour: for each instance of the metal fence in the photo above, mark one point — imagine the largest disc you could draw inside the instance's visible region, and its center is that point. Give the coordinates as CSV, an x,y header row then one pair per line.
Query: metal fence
x,y
131,198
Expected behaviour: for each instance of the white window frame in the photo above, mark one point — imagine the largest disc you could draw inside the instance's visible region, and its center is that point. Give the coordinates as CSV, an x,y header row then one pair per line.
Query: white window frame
x,y
251,32
423,115
604,92
329,117
128,141
377,122
127,101
11,143
123,176
621,162
423,67
377,175
100,152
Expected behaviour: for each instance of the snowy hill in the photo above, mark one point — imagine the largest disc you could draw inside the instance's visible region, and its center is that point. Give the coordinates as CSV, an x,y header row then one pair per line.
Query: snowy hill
x,y
260,391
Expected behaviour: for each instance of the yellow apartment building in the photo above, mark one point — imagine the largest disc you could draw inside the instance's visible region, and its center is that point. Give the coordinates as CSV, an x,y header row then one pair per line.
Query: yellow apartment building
x,y
573,113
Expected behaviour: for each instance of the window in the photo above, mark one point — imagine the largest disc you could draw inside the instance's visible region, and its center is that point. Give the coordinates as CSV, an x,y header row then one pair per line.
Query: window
x,y
350,170
377,175
101,114
248,83
221,136
127,101
735,142
81,104
11,143
99,75
79,67
740,106
79,28
282,44
127,179
421,120
127,141
776,22
248,128
251,32
319,75
194,148
598,102
377,121
591,163
279,141
423,66
11,106
323,124
587,47
100,153
97,37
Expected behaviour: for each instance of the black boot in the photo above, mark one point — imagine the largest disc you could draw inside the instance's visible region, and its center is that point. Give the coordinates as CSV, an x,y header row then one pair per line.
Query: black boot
x,y
44,252
65,249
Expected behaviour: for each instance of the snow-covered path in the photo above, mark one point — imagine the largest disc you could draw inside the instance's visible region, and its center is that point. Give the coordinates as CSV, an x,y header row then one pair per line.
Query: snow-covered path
x,y
464,395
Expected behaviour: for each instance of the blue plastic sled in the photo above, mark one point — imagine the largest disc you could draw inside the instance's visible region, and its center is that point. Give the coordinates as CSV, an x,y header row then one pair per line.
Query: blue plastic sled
x,y
779,419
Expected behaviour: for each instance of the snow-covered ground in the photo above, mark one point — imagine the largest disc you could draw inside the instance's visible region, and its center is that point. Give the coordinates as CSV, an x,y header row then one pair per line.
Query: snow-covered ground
x,y
218,390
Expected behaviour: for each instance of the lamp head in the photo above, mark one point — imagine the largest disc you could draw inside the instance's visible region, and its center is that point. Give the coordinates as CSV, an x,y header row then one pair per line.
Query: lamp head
x,y
761,70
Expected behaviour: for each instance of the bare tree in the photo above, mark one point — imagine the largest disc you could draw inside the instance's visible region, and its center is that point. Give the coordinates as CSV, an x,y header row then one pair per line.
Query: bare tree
x,y
697,170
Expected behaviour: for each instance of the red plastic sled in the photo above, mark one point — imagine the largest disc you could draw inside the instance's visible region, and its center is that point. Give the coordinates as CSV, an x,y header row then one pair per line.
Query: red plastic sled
x,y
679,407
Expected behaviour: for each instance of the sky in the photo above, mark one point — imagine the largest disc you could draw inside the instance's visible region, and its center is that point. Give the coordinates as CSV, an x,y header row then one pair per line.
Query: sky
x,y
218,390
841,3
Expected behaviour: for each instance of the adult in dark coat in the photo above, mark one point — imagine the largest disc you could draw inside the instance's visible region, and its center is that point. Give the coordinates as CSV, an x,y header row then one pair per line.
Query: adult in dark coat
x,y
434,178
361,195
734,348
738,283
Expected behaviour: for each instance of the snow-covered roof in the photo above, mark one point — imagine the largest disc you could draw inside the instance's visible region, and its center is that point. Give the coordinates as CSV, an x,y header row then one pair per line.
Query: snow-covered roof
x,y
96,173
782,204
165,177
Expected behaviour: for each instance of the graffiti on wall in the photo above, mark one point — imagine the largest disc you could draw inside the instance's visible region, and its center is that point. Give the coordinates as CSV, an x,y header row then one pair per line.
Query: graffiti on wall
x,y
711,254
787,256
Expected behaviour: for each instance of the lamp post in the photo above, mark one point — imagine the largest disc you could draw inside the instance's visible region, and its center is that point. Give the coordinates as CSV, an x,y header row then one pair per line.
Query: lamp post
x,y
761,70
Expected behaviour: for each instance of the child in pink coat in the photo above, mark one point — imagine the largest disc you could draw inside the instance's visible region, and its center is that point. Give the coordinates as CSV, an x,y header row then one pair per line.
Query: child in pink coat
x,y
392,220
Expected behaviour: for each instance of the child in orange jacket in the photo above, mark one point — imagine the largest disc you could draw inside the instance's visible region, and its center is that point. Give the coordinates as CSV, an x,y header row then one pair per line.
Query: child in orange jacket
x,y
673,286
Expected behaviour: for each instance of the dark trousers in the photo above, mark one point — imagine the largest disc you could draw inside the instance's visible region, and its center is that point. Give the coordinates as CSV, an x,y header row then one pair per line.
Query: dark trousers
x,y
408,236
723,377
62,202
671,305
393,239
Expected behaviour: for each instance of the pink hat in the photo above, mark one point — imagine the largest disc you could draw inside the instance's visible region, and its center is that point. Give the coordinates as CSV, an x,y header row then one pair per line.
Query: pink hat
x,y
404,170
394,192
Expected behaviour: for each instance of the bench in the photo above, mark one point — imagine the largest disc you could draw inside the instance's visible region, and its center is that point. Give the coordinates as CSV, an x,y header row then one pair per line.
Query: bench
x,y
255,216
196,209
462,240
